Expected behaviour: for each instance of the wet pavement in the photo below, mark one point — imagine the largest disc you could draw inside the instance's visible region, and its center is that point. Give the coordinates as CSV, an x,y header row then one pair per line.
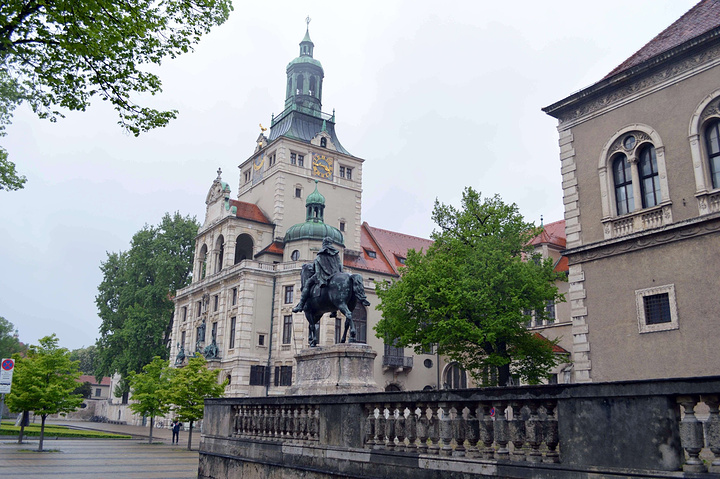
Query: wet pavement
x,y
117,458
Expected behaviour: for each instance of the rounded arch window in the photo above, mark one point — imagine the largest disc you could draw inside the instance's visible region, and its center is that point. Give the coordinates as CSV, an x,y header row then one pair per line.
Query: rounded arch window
x,y
455,377
313,91
203,260
392,387
243,248
323,142
622,176
300,84
649,178
220,248
295,255
712,144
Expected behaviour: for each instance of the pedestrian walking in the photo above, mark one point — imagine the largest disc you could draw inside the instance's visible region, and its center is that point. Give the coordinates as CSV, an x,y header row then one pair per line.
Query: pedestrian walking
x,y
176,431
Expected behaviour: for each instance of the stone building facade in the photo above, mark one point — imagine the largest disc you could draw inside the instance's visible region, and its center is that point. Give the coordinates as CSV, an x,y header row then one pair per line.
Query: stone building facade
x,y
640,156
298,186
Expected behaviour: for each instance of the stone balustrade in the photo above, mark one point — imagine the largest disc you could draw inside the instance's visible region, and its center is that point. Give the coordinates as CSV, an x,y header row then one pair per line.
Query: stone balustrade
x,y
667,428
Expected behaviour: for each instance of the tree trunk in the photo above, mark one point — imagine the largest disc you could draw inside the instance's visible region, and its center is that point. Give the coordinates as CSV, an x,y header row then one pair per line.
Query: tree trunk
x,y
24,419
190,437
152,423
504,370
42,431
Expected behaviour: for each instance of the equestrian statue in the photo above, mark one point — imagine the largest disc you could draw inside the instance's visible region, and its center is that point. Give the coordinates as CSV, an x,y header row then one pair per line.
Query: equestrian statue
x,y
327,289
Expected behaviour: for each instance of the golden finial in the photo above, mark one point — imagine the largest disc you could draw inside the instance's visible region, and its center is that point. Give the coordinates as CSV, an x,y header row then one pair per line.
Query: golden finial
x,y
262,128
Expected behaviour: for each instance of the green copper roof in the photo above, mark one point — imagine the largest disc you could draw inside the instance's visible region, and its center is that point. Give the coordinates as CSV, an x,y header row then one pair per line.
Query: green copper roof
x,y
306,38
315,198
305,59
316,230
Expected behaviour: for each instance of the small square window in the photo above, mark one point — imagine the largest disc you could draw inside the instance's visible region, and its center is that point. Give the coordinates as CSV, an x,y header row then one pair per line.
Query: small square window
x,y
234,296
342,226
98,392
216,301
261,340
298,193
656,309
293,158
348,173
184,313
301,160
342,172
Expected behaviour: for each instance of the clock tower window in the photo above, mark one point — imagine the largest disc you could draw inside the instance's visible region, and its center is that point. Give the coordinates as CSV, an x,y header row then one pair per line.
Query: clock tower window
x,y
323,142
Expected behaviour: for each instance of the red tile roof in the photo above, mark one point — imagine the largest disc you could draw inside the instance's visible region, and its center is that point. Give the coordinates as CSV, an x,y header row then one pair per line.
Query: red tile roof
x,y
86,378
389,248
556,348
249,211
276,247
553,234
702,18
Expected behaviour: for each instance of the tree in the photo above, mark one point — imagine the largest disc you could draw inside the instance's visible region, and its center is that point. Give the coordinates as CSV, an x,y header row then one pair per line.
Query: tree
x,y
189,387
471,293
44,381
58,55
135,296
150,389
84,390
87,358
9,342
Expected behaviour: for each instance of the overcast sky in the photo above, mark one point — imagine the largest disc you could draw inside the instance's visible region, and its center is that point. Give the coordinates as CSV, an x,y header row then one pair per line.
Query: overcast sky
x,y
435,96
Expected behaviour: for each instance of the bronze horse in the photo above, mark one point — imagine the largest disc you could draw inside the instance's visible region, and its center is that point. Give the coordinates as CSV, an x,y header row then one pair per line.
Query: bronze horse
x,y
342,293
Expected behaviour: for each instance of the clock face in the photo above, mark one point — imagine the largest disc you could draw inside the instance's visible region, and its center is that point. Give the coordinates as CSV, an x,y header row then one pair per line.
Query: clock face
x,y
259,162
322,166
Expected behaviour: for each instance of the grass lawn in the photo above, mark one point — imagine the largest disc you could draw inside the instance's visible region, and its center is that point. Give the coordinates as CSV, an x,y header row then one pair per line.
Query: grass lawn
x,y
8,428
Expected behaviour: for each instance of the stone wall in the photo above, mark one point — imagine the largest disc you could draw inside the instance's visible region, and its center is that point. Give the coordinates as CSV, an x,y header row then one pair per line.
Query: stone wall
x,y
555,431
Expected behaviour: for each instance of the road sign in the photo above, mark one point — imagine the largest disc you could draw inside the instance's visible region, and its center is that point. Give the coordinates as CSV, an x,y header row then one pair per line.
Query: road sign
x,y
6,373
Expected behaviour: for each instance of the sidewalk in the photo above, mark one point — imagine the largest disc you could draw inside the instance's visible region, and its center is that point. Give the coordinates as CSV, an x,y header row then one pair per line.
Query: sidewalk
x,y
163,435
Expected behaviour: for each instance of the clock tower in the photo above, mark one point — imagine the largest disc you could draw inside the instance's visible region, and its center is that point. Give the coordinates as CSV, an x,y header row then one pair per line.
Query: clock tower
x,y
301,147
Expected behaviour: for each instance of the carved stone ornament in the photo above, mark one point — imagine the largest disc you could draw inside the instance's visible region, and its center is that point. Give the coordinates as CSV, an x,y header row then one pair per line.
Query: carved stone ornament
x,y
713,109
661,76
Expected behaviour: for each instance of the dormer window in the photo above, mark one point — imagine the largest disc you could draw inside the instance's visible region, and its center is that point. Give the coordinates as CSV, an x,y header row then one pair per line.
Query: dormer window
x,y
323,142
371,253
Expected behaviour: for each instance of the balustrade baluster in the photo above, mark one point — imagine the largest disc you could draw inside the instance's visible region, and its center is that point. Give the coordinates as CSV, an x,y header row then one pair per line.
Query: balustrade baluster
x,y
283,423
550,431
445,429
369,426
243,421
303,432
533,433
400,427
516,428
380,421
295,423
265,426
712,430
423,429
487,431
502,432
411,428
390,428
276,422
472,431
691,435
459,427
434,430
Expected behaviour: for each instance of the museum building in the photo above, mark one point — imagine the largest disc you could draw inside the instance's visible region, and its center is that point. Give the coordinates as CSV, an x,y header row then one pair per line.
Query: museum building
x,y
298,187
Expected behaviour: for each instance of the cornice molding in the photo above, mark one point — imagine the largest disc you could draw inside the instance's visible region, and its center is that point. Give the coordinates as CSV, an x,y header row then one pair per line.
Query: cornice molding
x,y
683,230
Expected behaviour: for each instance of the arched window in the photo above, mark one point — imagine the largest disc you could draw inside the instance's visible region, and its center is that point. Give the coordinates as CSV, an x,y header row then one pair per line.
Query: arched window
x,y
289,87
622,177
712,141
455,377
323,142
220,248
295,255
392,387
243,248
300,85
649,180
202,258
360,320
311,87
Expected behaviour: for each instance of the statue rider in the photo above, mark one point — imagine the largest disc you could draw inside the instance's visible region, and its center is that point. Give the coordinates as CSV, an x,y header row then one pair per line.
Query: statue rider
x,y
327,263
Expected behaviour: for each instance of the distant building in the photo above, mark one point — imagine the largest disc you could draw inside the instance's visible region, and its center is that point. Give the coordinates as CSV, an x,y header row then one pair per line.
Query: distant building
x,y
640,156
299,186
100,390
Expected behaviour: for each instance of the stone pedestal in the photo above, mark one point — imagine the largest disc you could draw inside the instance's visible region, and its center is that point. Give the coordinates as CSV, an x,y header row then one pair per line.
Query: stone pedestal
x,y
336,369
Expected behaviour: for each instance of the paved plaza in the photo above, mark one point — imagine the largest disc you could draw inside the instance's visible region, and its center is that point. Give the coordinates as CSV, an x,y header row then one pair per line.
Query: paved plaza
x,y
116,458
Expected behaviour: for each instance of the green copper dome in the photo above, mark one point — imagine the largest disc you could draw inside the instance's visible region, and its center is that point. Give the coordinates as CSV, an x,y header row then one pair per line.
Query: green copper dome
x,y
314,226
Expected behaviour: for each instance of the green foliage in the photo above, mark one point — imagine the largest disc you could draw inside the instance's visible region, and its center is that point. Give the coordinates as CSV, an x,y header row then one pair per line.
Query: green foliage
x,y
150,390
9,342
467,293
190,386
56,56
84,390
135,296
44,381
87,358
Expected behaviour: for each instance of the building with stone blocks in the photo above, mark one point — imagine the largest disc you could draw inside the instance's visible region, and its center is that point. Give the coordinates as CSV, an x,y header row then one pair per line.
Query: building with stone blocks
x,y
640,155
298,186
